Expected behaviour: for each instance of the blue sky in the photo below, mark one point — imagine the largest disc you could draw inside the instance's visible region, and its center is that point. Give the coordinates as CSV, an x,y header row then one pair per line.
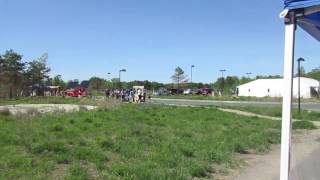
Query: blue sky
x,y
150,38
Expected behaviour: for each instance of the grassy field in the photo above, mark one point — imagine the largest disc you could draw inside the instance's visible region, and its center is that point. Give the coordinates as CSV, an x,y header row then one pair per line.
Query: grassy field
x,y
130,142
231,98
277,112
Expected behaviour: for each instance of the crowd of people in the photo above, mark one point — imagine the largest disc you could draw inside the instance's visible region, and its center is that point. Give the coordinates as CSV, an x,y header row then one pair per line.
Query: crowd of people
x,y
129,95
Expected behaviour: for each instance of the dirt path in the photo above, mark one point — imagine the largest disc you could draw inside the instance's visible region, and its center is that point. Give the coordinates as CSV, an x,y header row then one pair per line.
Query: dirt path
x,y
250,114
305,161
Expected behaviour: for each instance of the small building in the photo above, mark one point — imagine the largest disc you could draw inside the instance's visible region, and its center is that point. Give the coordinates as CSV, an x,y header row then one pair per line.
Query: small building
x,y
274,88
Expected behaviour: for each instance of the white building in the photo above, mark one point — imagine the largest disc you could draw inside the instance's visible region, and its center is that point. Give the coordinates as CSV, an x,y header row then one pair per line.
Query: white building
x,y
274,88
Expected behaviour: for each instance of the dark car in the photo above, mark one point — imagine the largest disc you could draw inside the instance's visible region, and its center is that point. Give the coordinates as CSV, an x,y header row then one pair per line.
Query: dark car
x,y
206,91
174,91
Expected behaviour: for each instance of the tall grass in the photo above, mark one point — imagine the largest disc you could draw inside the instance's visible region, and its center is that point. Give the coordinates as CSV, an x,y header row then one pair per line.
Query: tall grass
x,y
130,142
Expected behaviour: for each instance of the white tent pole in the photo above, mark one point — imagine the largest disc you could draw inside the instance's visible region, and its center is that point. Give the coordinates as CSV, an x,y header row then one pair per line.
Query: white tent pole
x,y
287,99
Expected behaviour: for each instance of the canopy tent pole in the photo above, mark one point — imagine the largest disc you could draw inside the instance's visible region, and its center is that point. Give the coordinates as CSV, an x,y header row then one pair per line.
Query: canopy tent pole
x,y
290,28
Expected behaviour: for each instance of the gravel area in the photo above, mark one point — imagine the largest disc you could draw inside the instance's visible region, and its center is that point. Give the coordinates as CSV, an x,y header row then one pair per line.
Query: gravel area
x,y
24,109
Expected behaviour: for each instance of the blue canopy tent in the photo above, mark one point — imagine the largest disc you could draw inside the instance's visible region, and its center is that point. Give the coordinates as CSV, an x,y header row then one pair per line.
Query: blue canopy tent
x,y
305,14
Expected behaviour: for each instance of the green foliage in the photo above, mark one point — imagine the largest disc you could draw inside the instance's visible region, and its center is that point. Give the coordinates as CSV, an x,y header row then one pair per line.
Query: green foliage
x,y
178,76
315,74
11,74
97,84
57,81
73,83
16,77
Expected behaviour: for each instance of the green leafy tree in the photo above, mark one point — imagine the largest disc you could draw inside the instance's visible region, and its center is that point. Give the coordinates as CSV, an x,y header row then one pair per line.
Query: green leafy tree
x,y
219,85
57,81
73,83
314,74
97,84
178,76
38,72
11,75
115,83
228,85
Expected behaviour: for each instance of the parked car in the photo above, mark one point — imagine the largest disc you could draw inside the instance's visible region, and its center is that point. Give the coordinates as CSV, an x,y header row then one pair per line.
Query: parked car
x,y
206,91
174,91
187,92
161,92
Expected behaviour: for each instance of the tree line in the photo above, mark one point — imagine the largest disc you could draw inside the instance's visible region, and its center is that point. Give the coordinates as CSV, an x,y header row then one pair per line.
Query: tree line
x,y
18,78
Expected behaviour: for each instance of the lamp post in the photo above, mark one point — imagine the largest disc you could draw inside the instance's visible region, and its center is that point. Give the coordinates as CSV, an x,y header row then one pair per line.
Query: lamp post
x,y
122,70
222,79
108,77
222,72
299,75
248,74
192,66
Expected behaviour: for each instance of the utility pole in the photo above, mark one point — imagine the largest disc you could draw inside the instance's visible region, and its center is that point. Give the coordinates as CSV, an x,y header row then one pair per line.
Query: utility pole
x,y
299,75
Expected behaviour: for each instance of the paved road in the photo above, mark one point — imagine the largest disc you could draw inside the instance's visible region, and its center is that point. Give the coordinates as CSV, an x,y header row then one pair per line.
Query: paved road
x,y
306,106
309,168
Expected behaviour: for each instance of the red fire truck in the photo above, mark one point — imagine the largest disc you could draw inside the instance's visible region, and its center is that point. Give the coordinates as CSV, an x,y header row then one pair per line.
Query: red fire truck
x,y
76,92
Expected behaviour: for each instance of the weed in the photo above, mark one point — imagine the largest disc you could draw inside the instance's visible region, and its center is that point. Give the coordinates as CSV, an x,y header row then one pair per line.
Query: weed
x,y
57,127
78,173
303,125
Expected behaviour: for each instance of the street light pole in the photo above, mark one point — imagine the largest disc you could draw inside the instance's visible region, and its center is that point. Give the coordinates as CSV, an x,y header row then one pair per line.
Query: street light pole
x,y
222,72
192,66
222,79
299,75
122,70
108,79
248,74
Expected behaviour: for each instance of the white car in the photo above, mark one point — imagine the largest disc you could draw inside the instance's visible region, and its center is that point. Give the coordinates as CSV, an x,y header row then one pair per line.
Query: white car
x,y
187,92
